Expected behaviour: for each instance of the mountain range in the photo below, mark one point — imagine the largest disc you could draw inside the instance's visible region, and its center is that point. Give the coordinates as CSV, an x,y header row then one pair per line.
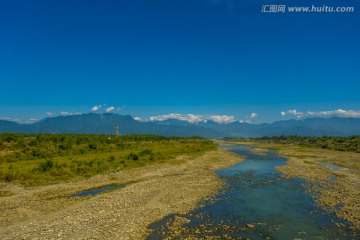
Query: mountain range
x,y
92,123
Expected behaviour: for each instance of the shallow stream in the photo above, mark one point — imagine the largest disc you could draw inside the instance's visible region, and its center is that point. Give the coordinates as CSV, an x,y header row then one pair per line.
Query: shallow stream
x,y
257,203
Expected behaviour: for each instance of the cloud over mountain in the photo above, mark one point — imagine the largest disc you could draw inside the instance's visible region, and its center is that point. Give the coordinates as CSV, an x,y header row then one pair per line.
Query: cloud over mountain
x,y
69,113
253,115
10,119
191,118
333,113
95,108
109,109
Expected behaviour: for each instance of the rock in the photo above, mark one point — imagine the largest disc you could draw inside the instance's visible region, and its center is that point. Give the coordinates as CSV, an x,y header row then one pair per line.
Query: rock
x,y
250,226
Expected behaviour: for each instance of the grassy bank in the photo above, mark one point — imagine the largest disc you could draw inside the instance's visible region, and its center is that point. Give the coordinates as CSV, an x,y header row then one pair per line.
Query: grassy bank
x,y
29,159
344,144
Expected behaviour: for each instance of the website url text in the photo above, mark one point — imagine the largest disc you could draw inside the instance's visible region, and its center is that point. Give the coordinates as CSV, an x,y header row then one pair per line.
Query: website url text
x,y
312,9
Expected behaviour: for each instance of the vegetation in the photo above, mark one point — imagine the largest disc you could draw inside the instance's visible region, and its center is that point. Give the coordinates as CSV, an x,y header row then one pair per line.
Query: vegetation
x,y
348,144
33,159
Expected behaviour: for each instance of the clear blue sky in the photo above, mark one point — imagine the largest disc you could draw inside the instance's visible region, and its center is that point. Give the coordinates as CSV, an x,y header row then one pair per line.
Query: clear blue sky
x,y
177,56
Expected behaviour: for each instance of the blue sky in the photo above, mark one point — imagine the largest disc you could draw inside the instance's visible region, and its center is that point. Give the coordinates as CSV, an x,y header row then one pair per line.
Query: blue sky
x,y
202,57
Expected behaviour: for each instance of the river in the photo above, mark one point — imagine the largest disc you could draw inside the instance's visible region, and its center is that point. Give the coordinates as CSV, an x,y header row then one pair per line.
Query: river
x,y
257,202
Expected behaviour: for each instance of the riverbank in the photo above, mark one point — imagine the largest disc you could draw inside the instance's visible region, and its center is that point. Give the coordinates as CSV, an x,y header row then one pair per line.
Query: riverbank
x,y
124,213
335,186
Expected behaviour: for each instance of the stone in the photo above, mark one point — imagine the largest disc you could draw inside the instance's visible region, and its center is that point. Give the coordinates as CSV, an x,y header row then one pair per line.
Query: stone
x,y
250,226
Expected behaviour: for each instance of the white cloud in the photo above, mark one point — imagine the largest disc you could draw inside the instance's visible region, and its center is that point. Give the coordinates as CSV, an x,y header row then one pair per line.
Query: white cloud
x,y
69,113
221,119
191,118
31,120
250,118
246,121
253,115
64,113
95,108
109,109
333,113
293,112
138,118
336,113
10,119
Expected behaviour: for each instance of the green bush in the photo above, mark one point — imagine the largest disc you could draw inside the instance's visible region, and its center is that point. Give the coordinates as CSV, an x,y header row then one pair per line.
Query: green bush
x,y
133,156
146,151
46,166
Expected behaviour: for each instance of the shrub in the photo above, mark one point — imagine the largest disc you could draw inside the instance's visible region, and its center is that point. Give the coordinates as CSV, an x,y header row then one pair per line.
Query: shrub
x,y
145,152
133,156
111,158
92,146
46,166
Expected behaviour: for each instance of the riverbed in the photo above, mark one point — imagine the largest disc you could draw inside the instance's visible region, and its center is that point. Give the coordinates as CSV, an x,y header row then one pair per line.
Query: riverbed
x,y
256,202
117,205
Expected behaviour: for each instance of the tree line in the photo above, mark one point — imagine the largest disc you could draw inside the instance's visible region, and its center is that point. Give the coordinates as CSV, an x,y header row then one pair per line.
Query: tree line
x,y
348,143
